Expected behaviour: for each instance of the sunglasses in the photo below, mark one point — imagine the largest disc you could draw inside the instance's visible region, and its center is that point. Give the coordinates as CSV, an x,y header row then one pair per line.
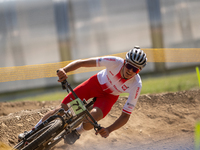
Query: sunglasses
x,y
134,69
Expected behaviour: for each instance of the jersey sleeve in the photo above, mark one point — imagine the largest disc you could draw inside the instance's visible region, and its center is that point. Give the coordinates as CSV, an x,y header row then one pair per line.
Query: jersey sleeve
x,y
108,61
132,100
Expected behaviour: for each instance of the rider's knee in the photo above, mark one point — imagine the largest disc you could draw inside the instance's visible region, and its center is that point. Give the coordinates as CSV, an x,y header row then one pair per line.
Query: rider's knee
x,y
64,106
97,113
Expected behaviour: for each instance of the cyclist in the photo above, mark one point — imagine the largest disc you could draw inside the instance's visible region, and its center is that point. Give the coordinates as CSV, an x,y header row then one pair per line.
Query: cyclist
x,y
120,76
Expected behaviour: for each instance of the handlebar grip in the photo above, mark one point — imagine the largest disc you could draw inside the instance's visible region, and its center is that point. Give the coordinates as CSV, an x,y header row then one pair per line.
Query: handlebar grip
x,y
99,128
63,82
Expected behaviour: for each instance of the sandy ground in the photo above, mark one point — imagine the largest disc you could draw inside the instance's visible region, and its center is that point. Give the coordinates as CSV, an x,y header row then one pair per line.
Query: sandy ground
x,y
159,121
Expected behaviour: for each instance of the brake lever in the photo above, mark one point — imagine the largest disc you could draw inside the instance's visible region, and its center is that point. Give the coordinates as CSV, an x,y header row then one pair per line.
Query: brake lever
x,y
97,127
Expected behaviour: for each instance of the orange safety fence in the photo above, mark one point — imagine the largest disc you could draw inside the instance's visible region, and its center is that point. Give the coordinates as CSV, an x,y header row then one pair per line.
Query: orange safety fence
x,y
49,70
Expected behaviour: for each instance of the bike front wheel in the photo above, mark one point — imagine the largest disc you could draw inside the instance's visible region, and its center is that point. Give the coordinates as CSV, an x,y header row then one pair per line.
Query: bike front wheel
x,y
43,140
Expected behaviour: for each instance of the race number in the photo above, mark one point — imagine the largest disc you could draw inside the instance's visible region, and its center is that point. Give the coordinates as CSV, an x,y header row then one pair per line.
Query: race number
x,y
76,106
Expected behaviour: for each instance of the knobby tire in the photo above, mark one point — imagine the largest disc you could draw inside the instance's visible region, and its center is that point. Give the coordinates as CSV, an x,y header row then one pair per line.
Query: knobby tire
x,y
44,136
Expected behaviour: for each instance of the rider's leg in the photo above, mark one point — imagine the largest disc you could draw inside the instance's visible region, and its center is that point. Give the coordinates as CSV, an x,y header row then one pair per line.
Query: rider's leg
x,y
52,112
97,114
102,107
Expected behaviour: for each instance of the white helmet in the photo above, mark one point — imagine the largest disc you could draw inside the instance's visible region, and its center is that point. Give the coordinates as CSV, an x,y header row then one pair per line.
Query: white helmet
x,y
137,57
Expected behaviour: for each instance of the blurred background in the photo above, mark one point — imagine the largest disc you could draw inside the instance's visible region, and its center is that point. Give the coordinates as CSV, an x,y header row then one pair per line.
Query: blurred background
x,y
48,31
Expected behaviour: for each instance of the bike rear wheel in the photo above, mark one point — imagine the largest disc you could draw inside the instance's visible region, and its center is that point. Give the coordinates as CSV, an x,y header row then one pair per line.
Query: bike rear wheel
x,y
43,139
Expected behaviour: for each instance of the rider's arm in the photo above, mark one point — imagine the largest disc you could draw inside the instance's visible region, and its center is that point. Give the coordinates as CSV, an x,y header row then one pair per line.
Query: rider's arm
x,y
122,120
91,62
127,109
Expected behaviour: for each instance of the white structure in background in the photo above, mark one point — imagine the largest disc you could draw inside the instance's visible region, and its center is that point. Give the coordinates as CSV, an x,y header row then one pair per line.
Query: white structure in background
x,y
31,31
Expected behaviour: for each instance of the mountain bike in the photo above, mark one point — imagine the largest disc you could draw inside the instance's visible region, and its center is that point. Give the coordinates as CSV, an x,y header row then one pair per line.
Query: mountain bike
x,y
52,130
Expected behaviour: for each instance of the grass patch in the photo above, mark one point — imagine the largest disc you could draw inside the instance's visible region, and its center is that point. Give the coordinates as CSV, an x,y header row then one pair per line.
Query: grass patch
x,y
171,83
162,84
45,97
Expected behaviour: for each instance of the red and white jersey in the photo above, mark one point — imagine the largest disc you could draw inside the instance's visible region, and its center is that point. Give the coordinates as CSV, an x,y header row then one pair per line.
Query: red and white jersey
x,y
111,81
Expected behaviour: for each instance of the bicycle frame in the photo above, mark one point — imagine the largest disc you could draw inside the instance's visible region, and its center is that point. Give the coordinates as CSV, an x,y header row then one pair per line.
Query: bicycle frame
x,y
71,118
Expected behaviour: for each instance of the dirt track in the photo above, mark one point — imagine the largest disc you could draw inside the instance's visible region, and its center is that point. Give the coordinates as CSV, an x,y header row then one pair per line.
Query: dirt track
x,y
157,122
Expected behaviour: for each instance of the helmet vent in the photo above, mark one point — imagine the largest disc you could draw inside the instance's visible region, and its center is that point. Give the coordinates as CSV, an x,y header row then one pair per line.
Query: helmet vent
x,y
137,57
